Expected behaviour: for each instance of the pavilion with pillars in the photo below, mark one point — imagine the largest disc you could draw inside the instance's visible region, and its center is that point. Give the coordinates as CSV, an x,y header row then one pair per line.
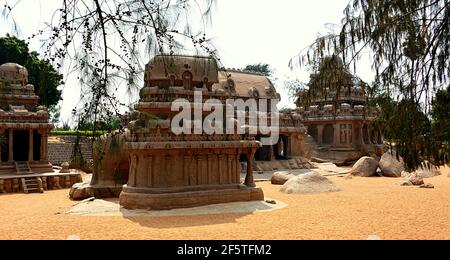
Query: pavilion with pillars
x,y
24,126
341,128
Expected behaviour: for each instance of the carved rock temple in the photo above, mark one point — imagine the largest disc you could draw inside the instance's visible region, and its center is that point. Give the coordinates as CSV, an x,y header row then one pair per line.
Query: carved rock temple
x,y
175,171
287,152
24,130
340,128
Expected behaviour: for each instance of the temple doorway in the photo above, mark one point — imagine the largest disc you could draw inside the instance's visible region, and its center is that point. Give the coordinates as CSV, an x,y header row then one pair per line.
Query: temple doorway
x,y
21,145
328,134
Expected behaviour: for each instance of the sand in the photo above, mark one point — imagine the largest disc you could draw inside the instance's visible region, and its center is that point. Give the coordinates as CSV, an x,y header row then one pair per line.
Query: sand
x,y
365,208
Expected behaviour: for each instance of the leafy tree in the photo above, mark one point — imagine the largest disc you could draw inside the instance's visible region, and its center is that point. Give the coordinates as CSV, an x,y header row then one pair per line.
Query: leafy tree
x,y
408,41
87,33
42,74
261,68
440,125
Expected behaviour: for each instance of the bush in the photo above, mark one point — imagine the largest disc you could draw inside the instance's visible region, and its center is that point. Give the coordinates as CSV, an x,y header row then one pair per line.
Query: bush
x,y
78,133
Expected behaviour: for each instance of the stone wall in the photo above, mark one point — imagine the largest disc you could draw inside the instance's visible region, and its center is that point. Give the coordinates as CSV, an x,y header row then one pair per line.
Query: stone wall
x,y
61,148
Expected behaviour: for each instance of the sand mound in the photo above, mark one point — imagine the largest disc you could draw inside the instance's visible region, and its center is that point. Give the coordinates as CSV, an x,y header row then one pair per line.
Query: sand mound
x,y
309,183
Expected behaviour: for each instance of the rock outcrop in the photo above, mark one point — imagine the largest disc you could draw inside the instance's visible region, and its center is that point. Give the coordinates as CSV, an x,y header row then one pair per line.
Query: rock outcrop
x,y
309,183
280,178
365,167
391,166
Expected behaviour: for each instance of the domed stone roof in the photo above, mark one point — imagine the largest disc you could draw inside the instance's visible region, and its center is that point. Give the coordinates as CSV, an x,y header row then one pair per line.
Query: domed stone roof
x,y
14,72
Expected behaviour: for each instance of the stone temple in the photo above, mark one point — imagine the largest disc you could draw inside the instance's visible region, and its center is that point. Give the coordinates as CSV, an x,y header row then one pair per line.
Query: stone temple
x,y
24,129
173,171
341,128
23,124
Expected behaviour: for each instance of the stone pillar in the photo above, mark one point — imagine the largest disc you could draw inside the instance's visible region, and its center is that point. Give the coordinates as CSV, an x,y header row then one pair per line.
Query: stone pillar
x,y
44,183
30,145
320,134
249,181
1,134
11,146
44,146
361,135
2,186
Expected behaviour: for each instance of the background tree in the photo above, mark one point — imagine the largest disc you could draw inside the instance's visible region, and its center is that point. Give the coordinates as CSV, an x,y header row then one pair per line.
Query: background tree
x,y
42,74
409,43
261,68
105,42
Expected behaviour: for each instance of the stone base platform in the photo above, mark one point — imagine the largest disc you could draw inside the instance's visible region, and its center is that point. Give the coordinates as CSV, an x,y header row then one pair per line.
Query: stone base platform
x,y
135,198
12,183
36,167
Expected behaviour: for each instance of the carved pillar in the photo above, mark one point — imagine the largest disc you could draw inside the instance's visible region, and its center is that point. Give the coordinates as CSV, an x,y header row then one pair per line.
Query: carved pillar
x,y
237,163
186,173
249,181
221,179
149,160
1,134
44,183
361,135
200,180
2,186
210,170
230,171
30,145
132,177
11,146
45,147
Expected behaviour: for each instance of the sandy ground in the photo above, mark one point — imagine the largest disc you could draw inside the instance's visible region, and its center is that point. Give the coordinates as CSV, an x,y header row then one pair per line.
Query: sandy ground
x,y
112,208
366,207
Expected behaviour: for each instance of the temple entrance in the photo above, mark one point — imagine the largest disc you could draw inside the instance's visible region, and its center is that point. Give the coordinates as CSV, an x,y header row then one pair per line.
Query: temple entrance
x,y
280,150
313,131
21,145
264,153
328,134
4,146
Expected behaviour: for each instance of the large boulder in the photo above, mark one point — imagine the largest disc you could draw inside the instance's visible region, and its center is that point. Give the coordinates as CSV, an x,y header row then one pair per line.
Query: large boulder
x,y
391,166
365,167
280,178
79,191
82,191
308,183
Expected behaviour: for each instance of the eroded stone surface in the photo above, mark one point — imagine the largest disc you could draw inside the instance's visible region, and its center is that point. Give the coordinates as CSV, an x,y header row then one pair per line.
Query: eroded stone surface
x,y
365,167
309,183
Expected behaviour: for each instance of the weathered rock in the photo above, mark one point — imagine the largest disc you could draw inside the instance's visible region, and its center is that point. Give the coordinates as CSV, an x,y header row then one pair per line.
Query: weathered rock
x,y
79,191
308,183
415,180
391,166
280,178
406,183
365,167
427,186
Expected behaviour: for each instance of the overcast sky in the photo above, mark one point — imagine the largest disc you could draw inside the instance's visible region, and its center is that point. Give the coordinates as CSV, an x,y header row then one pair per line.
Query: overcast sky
x,y
244,31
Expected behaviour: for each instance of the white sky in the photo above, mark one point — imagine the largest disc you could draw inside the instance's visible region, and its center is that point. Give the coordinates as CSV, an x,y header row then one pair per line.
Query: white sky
x,y
244,31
